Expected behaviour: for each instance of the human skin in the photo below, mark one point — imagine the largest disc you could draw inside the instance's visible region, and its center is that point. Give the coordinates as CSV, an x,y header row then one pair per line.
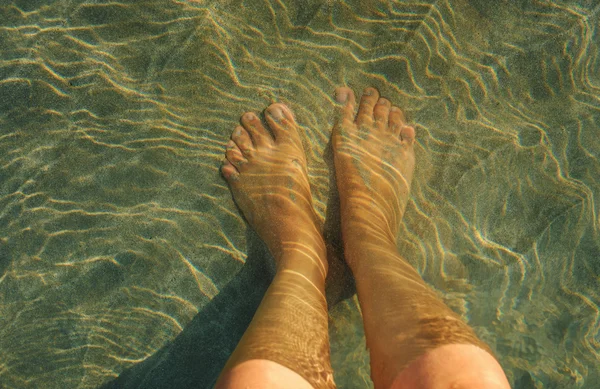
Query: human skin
x,y
414,339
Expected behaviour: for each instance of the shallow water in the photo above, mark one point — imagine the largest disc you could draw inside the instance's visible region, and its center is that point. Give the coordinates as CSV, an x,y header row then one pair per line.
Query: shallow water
x,y
116,230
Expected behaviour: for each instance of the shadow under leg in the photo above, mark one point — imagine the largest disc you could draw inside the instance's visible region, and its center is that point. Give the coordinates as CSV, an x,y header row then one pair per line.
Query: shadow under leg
x,y
288,329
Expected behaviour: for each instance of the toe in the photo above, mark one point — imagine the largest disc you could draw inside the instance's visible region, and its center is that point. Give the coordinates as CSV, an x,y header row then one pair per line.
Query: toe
x,y
282,123
234,155
229,172
396,120
407,135
381,113
260,136
243,141
365,110
347,104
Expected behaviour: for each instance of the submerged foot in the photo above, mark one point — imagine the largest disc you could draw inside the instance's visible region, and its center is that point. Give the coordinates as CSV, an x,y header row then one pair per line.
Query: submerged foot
x,y
267,173
374,161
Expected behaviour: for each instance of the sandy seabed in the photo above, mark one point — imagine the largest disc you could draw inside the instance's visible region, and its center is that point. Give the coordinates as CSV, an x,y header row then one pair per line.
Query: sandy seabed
x,y
116,230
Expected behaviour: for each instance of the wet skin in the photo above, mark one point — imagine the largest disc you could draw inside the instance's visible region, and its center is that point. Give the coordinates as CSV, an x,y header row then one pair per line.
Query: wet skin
x,y
374,162
287,344
374,159
414,339
267,174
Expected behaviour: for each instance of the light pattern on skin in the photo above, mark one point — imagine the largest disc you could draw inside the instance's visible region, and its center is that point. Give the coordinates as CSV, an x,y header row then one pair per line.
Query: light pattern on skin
x,y
403,318
272,191
376,152
115,114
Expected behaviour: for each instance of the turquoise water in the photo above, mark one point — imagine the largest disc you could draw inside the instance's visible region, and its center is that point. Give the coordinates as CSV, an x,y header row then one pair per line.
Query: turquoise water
x,y
119,242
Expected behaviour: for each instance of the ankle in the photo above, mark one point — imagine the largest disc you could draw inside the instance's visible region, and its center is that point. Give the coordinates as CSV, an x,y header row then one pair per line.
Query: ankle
x,y
360,246
356,229
308,258
365,217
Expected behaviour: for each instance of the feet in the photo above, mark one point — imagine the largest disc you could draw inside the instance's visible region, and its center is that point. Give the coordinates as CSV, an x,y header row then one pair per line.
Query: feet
x,y
267,173
374,161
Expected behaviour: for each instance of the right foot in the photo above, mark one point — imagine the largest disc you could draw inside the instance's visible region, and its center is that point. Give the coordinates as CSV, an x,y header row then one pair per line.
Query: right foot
x,y
374,162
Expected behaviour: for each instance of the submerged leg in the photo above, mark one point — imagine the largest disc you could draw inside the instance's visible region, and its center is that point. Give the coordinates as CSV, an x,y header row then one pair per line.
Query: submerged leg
x,y
415,340
286,345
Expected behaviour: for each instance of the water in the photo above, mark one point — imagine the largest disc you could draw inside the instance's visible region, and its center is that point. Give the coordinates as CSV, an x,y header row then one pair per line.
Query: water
x,y
117,234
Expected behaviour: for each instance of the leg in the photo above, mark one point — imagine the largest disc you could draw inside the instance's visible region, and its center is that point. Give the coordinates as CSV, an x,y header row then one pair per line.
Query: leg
x,y
415,340
287,344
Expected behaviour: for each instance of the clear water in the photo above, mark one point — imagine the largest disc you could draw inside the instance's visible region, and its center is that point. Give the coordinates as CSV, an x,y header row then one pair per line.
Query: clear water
x,y
119,242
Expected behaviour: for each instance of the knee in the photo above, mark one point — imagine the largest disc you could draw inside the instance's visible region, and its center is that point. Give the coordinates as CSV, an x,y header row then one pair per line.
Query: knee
x,y
453,366
261,374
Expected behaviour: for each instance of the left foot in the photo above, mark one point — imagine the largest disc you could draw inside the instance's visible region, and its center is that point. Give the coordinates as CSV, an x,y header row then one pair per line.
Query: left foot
x,y
267,174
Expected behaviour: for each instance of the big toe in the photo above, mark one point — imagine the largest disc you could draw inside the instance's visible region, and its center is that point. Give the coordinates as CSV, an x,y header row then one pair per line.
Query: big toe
x,y
344,95
346,100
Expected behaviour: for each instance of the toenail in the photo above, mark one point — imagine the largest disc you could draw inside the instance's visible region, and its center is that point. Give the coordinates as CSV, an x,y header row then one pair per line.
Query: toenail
x,y
230,145
237,132
289,112
276,113
249,116
395,109
341,96
382,102
368,92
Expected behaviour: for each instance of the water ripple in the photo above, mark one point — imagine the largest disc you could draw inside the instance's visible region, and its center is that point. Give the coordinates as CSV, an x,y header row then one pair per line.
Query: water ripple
x,y
115,228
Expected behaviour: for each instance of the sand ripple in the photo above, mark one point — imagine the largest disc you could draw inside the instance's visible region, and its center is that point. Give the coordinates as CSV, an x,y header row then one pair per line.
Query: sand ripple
x,y
115,228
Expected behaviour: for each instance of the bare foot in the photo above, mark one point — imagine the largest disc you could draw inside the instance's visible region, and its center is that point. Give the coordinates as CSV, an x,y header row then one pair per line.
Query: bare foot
x,y
267,174
374,162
